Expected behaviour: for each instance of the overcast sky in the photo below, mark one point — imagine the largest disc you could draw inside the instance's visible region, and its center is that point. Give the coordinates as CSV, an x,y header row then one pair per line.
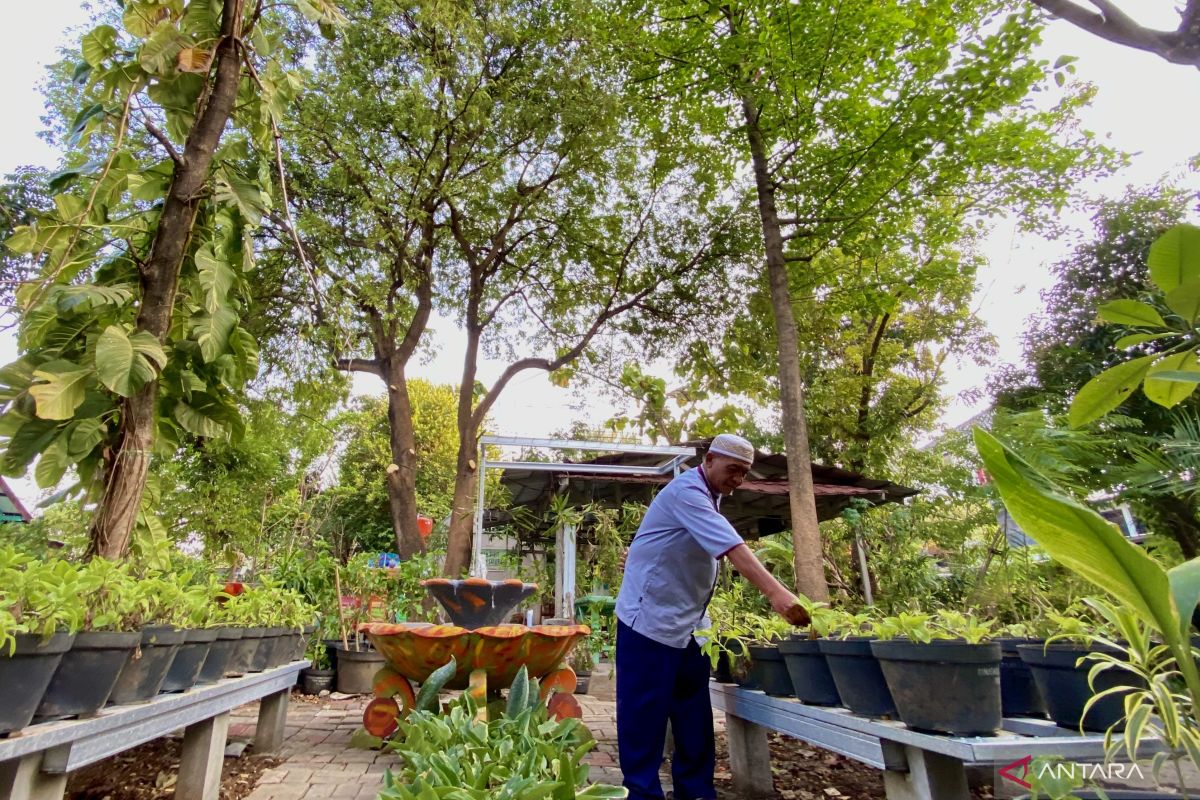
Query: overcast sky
x,y
1144,106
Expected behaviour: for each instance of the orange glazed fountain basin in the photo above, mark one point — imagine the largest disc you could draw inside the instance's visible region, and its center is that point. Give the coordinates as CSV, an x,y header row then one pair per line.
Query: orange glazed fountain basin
x,y
416,649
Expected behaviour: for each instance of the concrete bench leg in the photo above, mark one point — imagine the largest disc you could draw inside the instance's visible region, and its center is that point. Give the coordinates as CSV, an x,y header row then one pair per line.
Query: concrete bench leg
x,y
930,776
202,759
23,779
749,758
272,720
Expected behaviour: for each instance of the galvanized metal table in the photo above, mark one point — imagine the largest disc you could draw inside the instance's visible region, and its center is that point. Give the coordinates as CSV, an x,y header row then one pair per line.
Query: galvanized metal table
x,y
35,763
917,766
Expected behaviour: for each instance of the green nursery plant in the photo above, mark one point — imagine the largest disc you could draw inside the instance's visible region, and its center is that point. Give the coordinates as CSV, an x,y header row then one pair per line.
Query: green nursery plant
x,y
519,754
35,597
1160,600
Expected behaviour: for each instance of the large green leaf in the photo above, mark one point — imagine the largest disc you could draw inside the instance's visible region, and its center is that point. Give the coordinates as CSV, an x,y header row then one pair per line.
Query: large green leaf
x,y
212,332
1079,538
98,44
84,436
158,53
1170,393
1108,390
125,363
1131,312
216,278
53,463
1175,257
1185,588
1184,300
518,693
62,391
199,420
427,696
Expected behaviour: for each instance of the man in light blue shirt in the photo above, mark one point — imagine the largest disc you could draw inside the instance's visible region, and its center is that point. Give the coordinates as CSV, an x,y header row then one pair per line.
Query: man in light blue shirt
x,y
670,573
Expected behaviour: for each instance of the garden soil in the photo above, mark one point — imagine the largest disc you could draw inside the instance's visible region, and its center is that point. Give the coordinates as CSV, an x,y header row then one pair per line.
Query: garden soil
x,y
810,773
149,772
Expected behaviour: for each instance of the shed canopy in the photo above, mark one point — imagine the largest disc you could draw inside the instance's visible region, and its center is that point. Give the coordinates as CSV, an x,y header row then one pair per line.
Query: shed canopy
x,y
758,508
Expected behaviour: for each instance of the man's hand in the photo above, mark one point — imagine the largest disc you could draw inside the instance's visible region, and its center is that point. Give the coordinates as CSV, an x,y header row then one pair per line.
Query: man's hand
x,y
787,605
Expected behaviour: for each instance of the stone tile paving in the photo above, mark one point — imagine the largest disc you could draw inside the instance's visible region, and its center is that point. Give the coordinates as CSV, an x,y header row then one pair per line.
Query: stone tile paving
x,y
320,763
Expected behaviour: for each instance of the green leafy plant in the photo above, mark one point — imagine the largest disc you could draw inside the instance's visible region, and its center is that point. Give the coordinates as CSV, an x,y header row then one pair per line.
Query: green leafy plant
x,y
1166,325
35,597
1161,600
518,754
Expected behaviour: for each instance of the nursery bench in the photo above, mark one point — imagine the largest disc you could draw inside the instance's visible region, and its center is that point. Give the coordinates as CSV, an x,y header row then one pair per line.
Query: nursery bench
x,y
35,763
917,766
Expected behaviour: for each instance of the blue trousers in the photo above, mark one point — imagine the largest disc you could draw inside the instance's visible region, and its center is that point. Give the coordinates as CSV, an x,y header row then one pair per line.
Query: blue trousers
x,y
657,683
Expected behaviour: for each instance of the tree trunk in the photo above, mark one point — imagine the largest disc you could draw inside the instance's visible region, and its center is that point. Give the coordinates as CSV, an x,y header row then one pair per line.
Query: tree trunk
x,y
806,535
462,515
402,482
116,515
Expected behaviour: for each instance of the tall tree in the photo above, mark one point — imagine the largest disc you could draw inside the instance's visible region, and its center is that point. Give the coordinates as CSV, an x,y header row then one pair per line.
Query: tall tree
x,y
1106,19
472,159
862,124
156,226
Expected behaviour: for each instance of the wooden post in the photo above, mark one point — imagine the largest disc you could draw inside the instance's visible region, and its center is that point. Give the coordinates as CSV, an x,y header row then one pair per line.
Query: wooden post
x,y
930,776
272,721
749,758
568,558
202,759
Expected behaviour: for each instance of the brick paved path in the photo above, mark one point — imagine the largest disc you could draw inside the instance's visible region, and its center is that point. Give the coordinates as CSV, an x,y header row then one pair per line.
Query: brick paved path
x,y
319,762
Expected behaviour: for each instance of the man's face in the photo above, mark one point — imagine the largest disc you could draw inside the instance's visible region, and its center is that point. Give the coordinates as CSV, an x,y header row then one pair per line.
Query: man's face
x,y
724,473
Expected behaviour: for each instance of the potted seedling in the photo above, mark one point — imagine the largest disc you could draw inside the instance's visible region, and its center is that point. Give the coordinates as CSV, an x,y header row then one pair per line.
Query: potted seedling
x,y
1063,668
318,677
812,682
725,640
245,611
770,672
363,585
228,642
1019,695
109,634
943,672
196,615
157,598
37,613
855,670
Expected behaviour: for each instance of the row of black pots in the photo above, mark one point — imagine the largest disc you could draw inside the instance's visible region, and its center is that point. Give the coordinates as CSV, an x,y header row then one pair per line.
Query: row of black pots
x,y
71,675
946,686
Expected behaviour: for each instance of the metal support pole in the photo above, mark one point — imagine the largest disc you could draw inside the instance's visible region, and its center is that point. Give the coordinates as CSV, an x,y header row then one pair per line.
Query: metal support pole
x,y
568,561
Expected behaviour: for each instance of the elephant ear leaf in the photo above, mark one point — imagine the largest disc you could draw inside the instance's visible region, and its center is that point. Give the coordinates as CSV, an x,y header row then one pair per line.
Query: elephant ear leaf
x,y
427,697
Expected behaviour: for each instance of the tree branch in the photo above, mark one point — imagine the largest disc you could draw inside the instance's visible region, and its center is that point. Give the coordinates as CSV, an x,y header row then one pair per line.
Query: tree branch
x,y
154,131
1109,22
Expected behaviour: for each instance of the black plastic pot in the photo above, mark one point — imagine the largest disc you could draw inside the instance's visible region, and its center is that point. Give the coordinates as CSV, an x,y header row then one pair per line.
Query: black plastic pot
x,y
770,670
147,668
25,674
944,686
291,647
219,653
356,670
315,681
185,669
266,649
1064,686
1019,695
811,681
87,674
244,652
858,676
721,672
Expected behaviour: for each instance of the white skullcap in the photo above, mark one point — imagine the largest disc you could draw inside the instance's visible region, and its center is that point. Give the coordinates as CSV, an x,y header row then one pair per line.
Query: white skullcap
x,y
728,444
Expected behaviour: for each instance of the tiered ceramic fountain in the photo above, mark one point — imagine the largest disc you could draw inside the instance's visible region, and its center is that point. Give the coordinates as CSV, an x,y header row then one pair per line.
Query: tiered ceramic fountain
x,y
488,653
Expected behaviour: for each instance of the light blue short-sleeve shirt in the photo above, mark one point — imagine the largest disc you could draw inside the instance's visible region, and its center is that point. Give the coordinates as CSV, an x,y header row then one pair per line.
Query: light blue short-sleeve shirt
x,y
672,563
